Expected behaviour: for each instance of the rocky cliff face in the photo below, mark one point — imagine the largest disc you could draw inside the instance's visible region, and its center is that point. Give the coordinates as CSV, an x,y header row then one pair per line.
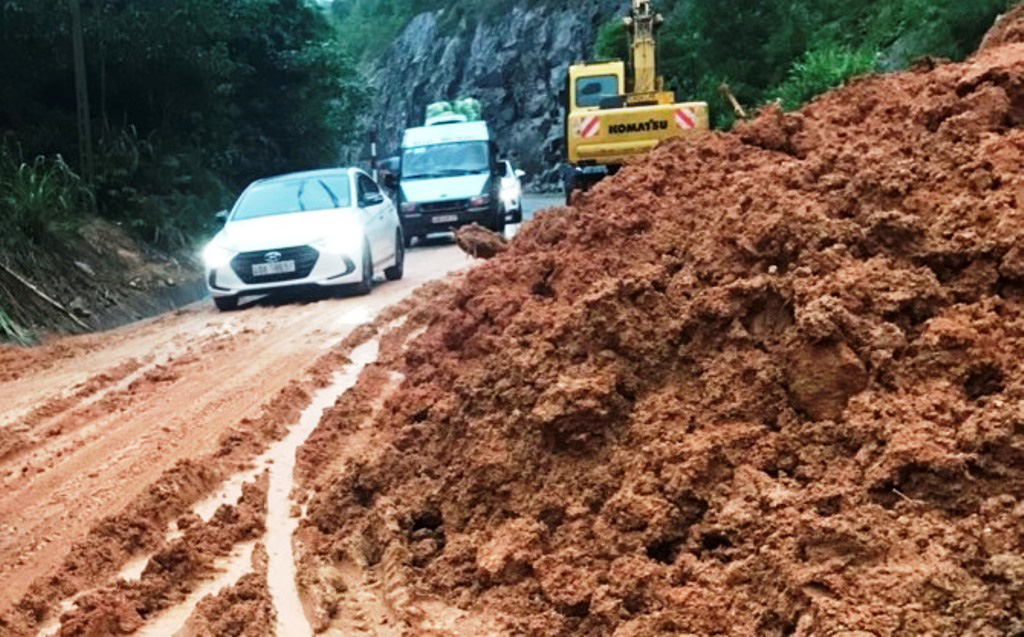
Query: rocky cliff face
x,y
514,64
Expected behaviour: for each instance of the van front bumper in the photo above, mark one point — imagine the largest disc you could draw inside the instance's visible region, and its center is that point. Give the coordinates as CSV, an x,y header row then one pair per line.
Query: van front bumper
x,y
428,221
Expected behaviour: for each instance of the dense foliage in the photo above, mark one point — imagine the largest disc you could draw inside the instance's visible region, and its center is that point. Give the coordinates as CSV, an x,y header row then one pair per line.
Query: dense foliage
x,y
190,100
792,50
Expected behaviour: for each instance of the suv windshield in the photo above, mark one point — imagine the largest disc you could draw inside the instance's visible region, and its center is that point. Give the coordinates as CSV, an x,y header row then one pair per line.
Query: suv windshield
x,y
445,160
293,195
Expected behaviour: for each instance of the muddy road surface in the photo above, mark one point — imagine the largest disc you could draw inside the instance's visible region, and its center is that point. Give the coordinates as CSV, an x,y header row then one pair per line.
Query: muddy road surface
x,y
107,440
90,423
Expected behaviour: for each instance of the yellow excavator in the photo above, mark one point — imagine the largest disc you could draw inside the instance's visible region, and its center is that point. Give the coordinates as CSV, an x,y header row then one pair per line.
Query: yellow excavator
x,y
607,121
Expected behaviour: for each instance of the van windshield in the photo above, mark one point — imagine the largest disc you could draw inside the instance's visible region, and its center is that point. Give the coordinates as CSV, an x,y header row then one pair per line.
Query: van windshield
x,y
445,160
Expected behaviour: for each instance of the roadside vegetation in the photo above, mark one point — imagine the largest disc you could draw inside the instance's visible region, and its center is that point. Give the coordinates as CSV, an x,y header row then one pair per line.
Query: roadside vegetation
x,y
189,101
794,50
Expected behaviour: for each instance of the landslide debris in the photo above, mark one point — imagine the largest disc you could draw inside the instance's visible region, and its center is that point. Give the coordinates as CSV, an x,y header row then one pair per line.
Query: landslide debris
x,y
172,573
769,383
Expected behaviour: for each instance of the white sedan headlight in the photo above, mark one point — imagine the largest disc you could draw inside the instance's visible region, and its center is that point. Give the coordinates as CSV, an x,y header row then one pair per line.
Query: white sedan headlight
x,y
215,256
344,238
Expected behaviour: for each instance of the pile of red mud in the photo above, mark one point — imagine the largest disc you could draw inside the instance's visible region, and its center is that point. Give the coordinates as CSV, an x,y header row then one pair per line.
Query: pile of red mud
x,y
769,383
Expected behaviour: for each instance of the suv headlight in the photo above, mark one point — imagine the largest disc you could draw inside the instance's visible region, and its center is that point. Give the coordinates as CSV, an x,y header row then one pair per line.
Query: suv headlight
x,y
215,256
480,201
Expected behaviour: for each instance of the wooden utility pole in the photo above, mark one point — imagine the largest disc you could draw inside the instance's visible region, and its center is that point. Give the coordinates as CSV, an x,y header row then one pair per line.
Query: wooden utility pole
x,y
81,93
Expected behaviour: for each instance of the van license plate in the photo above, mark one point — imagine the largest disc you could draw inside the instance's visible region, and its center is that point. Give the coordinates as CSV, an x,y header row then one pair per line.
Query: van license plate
x,y
445,218
268,269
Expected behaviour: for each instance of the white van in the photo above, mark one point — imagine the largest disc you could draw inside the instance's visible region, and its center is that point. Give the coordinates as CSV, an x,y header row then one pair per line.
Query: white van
x,y
449,176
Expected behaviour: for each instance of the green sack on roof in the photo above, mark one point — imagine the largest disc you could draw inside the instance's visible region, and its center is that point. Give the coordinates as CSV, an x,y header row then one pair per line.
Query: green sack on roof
x,y
468,107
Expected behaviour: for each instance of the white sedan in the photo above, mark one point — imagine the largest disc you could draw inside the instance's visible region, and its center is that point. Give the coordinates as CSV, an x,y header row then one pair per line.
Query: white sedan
x,y
327,229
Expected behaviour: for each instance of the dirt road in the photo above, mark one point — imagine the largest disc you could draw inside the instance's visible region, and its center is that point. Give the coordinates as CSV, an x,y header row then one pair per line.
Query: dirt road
x,y
90,422
97,425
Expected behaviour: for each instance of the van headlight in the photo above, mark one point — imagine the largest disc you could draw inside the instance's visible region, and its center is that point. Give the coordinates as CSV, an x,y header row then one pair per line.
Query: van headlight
x,y
215,256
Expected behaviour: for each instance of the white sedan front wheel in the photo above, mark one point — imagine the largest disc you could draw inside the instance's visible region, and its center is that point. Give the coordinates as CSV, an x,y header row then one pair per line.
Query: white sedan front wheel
x,y
366,284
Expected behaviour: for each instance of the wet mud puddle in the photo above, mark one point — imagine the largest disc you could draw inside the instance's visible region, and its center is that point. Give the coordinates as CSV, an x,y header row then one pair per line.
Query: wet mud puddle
x,y
291,618
279,462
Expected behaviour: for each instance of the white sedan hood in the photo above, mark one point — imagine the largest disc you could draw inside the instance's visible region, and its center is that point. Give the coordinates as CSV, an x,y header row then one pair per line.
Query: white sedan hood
x,y
283,231
445,188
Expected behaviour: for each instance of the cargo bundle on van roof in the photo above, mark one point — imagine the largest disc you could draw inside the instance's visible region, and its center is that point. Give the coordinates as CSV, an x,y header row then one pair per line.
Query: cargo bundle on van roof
x,y
445,134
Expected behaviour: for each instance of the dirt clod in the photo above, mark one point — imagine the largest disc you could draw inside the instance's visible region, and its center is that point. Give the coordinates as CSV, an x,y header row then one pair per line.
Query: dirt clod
x,y
479,242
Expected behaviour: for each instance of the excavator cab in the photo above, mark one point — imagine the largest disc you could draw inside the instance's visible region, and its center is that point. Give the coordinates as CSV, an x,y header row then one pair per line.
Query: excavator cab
x,y
592,86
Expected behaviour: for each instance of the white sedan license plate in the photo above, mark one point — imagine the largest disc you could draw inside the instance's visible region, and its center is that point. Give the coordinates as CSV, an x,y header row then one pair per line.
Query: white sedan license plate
x,y
445,218
268,269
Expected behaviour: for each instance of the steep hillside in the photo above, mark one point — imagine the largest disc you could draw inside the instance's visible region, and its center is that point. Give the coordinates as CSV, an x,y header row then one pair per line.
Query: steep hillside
x,y
515,64
513,54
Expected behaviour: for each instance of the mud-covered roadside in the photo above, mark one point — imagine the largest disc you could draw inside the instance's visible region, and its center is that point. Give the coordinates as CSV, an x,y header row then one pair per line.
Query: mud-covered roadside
x,y
769,383
96,277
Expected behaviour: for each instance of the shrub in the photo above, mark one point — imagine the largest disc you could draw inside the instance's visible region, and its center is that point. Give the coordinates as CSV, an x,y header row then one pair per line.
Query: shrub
x,y
612,42
821,70
166,197
795,49
39,198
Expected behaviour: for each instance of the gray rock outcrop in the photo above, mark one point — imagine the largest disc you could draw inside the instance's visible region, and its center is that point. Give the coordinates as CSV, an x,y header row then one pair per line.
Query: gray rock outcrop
x,y
515,64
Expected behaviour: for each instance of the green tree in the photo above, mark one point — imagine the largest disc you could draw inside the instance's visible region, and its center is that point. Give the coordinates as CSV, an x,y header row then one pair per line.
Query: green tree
x,y
192,99
612,42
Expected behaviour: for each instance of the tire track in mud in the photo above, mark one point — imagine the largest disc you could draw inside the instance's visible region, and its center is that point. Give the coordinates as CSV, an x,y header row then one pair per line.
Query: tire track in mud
x,y
275,470
26,431
347,596
360,588
162,519
66,492
83,407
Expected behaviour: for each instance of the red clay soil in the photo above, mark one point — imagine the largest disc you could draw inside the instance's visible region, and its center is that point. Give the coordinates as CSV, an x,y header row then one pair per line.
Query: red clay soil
x,y
480,242
768,383
1008,29
172,573
243,610
141,527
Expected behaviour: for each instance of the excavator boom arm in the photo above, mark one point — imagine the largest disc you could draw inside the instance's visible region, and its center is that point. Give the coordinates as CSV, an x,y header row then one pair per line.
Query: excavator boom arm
x,y
641,25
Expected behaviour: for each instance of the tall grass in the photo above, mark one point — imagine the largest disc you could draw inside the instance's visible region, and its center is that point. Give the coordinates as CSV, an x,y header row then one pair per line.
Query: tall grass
x,y
39,198
11,331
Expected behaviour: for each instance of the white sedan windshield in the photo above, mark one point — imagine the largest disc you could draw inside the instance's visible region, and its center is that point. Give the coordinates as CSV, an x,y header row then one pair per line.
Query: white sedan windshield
x,y
293,195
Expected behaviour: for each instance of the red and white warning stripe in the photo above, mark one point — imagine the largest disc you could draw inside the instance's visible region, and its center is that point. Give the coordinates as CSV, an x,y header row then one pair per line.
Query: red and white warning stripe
x,y
686,119
589,126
